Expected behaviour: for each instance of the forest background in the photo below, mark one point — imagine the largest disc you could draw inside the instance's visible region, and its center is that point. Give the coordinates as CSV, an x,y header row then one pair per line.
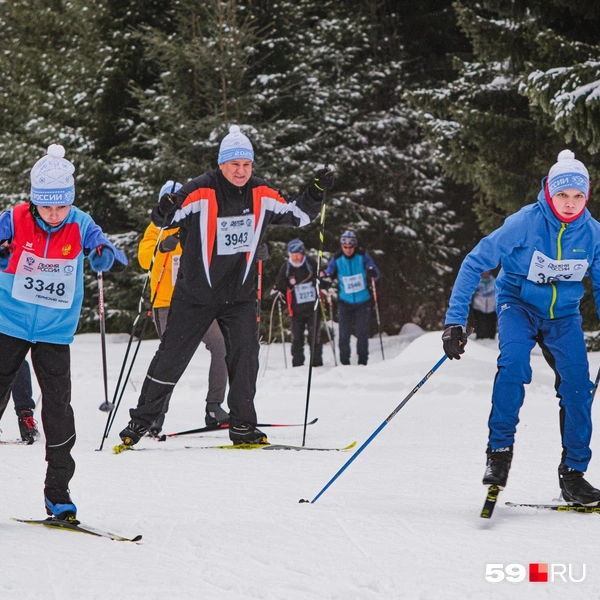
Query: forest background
x,y
440,117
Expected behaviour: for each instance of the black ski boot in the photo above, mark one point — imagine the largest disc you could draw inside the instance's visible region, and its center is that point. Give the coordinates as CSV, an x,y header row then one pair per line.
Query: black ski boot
x,y
28,426
575,488
59,505
246,434
133,433
498,466
215,415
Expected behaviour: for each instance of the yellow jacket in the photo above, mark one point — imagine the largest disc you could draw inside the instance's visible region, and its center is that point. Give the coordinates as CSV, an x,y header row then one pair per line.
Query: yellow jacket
x,y
166,265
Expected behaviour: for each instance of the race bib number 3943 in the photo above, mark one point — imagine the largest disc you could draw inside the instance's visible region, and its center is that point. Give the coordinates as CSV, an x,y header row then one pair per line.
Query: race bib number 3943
x,y
235,234
45,281
543,269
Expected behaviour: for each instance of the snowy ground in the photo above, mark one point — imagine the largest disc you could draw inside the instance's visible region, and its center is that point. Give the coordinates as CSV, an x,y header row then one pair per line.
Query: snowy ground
x,y
401,522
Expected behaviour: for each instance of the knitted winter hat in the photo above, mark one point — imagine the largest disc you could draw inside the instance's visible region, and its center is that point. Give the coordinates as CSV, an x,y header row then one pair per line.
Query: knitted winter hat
x,y
235,145
296,247
348,238
567,173
52,182
168,188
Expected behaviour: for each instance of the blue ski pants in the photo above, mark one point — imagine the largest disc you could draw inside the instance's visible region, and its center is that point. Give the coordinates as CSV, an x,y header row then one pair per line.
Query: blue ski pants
x,y
564,349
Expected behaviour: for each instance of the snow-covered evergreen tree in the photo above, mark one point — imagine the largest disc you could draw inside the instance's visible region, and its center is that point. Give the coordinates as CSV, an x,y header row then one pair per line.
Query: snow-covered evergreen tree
x,y
310,82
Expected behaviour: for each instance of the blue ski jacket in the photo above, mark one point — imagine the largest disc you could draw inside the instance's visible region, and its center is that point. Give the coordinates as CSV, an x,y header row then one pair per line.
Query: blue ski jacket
x,y
352,275
41,284
543,263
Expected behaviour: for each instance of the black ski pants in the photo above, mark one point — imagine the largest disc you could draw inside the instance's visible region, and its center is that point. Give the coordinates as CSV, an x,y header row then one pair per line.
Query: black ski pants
x,y
52,366
300,322
22,391
186,326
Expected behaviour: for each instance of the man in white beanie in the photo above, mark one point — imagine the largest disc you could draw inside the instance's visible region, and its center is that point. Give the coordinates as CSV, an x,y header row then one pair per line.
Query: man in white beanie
x,y
545,250
44,243
222,215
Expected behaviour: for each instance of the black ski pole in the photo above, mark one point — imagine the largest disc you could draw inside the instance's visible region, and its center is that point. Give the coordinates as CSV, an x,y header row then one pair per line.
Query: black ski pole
x,y
315,308
259,298
377,315
596,384
282,329
330,304
112,412
270,338
378,430
106,406
137,349
324,315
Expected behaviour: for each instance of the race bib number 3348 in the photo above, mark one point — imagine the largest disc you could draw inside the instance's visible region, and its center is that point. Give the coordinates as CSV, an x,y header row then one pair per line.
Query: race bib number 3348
x,y
45,281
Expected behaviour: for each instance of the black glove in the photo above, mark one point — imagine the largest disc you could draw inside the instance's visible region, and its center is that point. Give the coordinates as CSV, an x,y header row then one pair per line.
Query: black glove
x,y
5,251
169,243
371,274
167,205
454,339
324,179
325,281
262,252
274,292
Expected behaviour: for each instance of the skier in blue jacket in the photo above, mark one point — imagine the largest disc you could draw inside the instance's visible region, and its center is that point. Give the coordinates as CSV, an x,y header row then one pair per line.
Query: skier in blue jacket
x,y
41,291
354,268
545,250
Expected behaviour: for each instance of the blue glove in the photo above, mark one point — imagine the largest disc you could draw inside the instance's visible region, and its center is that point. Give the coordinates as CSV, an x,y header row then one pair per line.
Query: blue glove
x,y
102,259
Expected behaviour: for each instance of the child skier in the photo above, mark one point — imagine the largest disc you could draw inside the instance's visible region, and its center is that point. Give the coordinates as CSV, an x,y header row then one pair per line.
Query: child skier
x,y
545,250
41,292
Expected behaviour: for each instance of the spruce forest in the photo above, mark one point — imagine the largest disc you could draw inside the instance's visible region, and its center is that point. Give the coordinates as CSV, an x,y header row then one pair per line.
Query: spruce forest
x,y
440,117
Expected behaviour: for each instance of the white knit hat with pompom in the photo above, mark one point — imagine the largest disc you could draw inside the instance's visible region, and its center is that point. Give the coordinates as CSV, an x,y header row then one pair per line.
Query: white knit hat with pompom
x,y
568,173
235,145
52,182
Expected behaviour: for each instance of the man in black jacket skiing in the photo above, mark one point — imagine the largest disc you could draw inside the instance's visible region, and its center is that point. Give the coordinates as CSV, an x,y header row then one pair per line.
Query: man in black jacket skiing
x,y
222,215
296,281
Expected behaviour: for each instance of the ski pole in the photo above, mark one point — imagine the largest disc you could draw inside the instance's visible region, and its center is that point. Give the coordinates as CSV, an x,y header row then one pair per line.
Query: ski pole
x,y
129,343
106,406
596,384
315,307
113,414
282,330
330,304
377,315
259,298
270,332
378,430
324,314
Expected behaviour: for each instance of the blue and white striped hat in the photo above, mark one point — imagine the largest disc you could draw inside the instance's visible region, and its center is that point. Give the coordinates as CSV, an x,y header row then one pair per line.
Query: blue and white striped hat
x,y
52,182
235,145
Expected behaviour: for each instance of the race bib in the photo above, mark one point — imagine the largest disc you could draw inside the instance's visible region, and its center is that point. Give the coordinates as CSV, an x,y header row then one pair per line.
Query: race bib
x,y
547,270
305,292
45,281
235,234
175,260
353,283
